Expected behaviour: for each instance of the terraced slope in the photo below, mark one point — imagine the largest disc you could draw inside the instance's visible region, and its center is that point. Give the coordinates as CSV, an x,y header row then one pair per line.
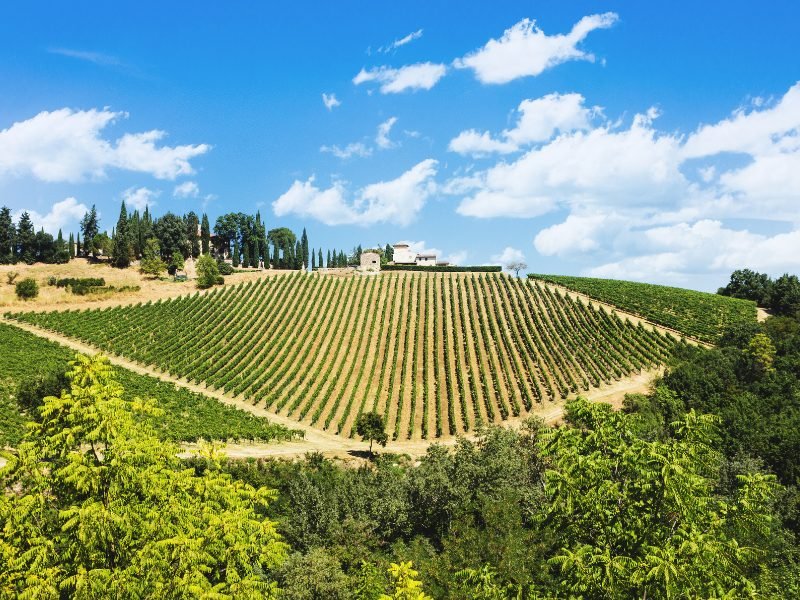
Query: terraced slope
x,y
697,314
436,353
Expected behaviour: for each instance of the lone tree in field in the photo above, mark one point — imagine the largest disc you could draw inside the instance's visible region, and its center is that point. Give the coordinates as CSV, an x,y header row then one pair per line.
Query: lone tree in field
x,y
207,272
517,266
370,427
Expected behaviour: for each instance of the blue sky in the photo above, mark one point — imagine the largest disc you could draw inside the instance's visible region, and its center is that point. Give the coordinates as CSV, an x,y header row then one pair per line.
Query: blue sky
x,y
651,141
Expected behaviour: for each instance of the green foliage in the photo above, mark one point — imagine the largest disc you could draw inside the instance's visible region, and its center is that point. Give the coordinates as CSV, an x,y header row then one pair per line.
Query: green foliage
x,y
207,272
406,584
151,263
31,365
27,289
101,507
224,268
90,227
696,314
371,426
762,352
121,255
11,276
749,285
313,576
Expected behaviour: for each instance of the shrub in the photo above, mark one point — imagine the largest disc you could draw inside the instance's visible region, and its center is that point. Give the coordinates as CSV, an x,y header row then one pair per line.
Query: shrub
x,y
11,276
27,288
52,281
79,281
207,272
224,268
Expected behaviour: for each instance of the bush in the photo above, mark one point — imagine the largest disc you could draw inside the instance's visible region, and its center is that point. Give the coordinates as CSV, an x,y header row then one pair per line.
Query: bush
x,y
224,268
79,281
52,281
11,276
27,289
207,272
445,269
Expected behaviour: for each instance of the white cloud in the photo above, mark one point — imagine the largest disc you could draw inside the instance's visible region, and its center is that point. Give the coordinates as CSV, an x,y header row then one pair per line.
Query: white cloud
x,y
66,145
382,137
97,58
396,201
525,50
358,149
508,255
140,198
646,204
187,189
407,39
539,119
66,212
330,101
419,76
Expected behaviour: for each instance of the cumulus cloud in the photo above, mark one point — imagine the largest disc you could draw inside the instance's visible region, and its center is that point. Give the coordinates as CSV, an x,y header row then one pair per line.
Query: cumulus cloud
x,y
382,137
419,76
395,201
358,149
508,256
68,146
187,189
458,257
641,202
66,212
140,198
539,120
330,101
525,50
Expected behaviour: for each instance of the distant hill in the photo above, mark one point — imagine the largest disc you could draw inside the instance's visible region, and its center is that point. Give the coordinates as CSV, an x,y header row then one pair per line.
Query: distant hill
x,y
697,314
436,353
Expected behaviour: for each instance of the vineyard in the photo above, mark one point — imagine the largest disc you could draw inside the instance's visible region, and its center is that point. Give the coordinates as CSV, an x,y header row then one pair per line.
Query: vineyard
x,y
697,314
437,354
187,416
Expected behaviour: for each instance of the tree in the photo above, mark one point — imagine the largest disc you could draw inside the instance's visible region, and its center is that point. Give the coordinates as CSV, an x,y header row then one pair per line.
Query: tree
x,y
328,260
207,272
27,289
109,510
313,260
389,253
317,575
205,235
71,246
102,244
304,247
370,426
749,285
26,239
151,263
516,266
175,263
170,231
406,584
762,352
121,255
7,237
785,298
236,252
319,259
90,227
192,234
45,247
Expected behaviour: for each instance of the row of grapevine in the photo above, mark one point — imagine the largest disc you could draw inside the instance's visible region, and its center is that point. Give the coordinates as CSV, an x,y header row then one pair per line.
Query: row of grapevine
x,y
436,353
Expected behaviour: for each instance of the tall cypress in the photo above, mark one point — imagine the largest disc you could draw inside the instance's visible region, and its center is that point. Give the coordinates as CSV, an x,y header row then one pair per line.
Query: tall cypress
x,y
121,254
245,255
304,247
78,245
319,258
276,257
7,237
205,234
254,252
90,227
298,255
236,252
71,246
313,260
328,261
192,234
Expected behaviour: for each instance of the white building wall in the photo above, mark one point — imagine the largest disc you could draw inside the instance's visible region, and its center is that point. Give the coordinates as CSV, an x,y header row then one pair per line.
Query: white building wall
x,y
404,256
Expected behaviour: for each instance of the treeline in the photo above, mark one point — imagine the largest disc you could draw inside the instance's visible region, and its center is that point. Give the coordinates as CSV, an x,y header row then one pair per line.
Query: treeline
x,y
339,258
20,243
781,296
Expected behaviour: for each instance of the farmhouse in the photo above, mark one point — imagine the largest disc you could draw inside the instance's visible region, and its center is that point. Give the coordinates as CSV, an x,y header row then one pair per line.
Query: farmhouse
x,y
403,255
370,262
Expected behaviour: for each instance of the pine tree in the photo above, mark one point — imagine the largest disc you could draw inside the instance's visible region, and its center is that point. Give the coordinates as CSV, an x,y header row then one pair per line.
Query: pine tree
x,y
90,227
7,237
121,254
26,239
236,252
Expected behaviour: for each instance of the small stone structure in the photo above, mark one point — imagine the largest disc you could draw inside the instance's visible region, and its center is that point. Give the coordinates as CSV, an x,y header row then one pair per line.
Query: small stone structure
x,y
370,262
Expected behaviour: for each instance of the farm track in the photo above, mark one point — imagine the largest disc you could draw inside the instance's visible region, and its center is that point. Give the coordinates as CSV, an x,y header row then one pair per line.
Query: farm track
x,y
436,354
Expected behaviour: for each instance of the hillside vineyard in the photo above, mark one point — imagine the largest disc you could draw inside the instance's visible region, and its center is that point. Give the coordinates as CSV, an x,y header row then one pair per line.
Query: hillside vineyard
x,y
437,354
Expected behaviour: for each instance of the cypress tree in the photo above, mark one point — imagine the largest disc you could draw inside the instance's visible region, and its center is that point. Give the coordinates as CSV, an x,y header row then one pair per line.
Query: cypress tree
x,y
276,257
71,246
192,235
90,227
236,252
134,222
254,253
246,255
7,235
121,254
205,234
298,255
313,260
78,246
389,253
328,261
304,247
319,258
